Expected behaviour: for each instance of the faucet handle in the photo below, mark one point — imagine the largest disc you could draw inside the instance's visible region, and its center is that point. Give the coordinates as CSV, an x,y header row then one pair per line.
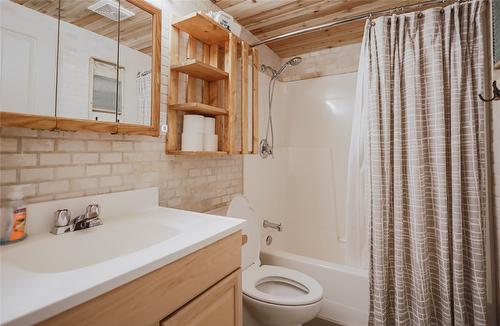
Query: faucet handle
x,y
92,211
63,217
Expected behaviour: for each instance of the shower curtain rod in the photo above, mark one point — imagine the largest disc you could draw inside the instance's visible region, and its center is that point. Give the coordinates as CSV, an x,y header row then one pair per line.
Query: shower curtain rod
x,y
351,19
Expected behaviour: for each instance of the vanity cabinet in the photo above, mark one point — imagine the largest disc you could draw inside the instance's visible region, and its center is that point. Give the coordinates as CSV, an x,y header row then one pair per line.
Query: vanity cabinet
x,y
218,306
202,288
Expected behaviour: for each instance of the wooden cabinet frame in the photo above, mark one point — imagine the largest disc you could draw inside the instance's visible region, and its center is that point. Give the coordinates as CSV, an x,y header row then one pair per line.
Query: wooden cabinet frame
x,y
211,55
33,121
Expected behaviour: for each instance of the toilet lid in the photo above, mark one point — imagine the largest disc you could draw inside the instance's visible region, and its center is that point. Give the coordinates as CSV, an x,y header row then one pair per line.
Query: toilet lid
x,y
308,291
240,208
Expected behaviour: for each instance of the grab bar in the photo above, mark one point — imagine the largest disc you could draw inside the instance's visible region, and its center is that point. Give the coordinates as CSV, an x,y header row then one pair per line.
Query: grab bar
x,y
272,225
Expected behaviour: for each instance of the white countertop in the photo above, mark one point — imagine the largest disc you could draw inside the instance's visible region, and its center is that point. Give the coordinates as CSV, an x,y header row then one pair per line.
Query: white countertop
x,y
48,274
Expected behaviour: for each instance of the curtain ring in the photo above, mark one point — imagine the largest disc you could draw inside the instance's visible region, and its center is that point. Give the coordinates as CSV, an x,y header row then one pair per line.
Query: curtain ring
x,y
370,17
420,14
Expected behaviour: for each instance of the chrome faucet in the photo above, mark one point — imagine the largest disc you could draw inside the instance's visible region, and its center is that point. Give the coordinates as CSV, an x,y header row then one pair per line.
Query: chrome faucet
x,y
65,223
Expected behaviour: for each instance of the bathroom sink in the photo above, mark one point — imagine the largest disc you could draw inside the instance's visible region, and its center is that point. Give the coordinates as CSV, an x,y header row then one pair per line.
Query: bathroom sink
x,y
47,274
74,250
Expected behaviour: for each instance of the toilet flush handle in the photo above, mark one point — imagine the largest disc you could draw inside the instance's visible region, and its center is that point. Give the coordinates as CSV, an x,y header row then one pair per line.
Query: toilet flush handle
x,y
276,226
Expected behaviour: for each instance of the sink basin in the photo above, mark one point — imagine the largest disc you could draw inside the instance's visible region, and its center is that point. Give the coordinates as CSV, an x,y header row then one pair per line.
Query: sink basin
x,y
47,274
53,254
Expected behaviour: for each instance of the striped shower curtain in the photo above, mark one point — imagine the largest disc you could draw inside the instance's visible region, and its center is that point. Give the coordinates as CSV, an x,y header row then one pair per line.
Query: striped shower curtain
x,y
426,175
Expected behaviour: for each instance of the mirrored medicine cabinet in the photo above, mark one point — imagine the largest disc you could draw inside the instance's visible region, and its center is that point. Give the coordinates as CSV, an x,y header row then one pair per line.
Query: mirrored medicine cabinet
x,y
88,65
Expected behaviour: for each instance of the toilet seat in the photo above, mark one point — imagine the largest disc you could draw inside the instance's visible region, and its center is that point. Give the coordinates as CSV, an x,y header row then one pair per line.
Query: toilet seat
x,y
281,276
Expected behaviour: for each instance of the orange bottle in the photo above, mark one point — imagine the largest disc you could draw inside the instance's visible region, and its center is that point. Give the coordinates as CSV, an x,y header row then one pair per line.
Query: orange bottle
x,y
13,219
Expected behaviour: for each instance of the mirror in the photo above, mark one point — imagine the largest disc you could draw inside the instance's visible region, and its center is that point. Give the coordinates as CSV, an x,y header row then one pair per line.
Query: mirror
x,y
89,85
135,58
80,65
29,56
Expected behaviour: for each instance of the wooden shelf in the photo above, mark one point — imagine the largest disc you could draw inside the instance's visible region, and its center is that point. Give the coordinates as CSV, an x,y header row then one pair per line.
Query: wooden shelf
x,y
202,153
198,108
203,28
198,69
210,63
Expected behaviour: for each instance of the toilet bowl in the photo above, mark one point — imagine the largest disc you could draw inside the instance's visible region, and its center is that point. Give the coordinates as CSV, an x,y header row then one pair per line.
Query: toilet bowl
x,y
272,295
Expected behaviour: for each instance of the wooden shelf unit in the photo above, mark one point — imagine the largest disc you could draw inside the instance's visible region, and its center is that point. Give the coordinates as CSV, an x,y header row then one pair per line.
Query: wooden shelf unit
x,y
203,28
216,65
201,70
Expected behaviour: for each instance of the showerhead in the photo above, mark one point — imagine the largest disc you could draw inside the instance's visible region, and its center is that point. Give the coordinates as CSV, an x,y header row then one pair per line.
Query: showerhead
x,y
292,62
267,144
295,61
275,73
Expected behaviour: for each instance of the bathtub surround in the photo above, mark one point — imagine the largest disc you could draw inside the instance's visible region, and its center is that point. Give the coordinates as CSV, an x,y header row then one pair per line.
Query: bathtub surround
x,y
426,169
304,188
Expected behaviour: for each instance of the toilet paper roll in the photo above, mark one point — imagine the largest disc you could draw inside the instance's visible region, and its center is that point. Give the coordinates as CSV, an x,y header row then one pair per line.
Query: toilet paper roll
x,y
210,143
192,142
209,127
193,124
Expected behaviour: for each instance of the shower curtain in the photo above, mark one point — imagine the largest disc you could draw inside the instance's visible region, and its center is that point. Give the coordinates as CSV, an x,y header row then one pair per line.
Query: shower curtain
x,y
419,155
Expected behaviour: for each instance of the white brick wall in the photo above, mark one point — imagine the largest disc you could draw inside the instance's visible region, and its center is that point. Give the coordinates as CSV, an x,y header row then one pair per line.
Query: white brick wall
x,y
79,164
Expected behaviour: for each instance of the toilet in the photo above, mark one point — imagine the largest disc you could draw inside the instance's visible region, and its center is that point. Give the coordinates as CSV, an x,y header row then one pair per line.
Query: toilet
x,y
272,295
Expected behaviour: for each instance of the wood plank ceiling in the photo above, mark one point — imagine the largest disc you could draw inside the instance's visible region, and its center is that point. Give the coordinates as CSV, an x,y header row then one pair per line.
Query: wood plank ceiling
x,y
267,18
136,32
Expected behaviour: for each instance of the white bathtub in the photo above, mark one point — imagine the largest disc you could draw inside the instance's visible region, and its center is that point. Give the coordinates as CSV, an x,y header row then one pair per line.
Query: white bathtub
x,y
346,296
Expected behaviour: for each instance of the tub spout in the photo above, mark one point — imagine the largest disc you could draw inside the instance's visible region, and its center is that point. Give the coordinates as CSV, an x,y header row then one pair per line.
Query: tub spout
x,y
272,225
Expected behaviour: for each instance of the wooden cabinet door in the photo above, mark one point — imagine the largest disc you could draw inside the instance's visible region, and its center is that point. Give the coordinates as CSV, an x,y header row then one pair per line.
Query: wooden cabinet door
x,y
221,305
